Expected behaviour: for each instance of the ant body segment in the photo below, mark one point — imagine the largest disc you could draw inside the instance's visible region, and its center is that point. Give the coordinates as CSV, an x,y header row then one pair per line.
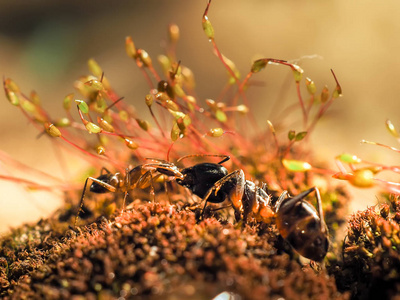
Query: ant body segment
x,y
298,222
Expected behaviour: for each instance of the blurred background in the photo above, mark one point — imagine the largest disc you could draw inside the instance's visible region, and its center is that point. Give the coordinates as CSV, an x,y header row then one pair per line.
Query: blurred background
x,y
45,45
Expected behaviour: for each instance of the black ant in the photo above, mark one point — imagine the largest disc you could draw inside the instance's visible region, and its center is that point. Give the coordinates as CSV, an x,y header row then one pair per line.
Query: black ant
x,y
298,221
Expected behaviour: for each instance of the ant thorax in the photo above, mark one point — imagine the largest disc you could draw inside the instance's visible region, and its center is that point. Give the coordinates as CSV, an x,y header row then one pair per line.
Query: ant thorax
x,y
256,201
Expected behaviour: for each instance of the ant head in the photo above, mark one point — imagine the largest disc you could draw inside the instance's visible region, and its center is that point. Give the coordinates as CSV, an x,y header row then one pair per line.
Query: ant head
x,y
189,178
201,177
203,173
309,238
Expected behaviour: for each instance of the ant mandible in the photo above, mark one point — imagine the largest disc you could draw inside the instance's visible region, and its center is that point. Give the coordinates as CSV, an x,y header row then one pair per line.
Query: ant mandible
x,y
298,221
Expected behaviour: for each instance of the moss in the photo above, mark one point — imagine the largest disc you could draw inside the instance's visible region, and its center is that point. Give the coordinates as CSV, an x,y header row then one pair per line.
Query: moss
x,y
154,250
371,253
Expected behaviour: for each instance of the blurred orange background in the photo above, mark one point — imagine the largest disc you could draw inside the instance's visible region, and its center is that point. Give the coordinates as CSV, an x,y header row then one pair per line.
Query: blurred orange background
x,y
45,45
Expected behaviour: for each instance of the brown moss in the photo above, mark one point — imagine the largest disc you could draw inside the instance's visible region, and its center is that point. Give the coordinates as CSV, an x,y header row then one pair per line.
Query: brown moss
x,y
154,250
371,253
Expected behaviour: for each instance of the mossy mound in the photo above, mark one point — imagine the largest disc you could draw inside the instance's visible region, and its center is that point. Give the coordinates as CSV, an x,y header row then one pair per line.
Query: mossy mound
x,y
153,251
370,268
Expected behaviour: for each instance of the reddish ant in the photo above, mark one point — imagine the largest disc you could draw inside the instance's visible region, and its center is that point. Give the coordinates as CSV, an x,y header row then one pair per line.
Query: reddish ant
x,y
298,221
140,177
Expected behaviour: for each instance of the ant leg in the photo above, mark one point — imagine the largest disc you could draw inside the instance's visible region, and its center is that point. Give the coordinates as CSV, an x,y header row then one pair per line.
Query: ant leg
x,y
147,180
152,191
319,207
281,198
166,169
235,192
81,202
206,200
205,204
264,187
127,184
104,169
123,203
223,207
319,202
220,208
143,178
160,161
103,184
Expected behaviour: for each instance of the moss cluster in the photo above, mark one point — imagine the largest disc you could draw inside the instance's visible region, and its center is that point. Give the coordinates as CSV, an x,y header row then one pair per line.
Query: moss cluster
x,y
154,250
371,253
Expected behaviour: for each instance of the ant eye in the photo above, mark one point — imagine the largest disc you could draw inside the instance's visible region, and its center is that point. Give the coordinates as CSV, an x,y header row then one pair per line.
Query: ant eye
x,y
312,225
317,242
